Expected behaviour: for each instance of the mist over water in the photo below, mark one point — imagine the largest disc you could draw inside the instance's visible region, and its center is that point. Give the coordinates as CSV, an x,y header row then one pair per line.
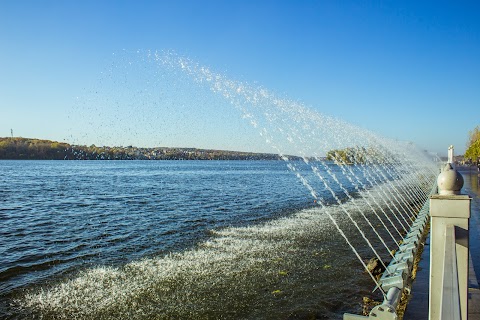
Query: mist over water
x,y
274,240
142,102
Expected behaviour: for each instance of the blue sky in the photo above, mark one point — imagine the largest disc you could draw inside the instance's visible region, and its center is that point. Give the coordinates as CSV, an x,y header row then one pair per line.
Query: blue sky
x,y
407,70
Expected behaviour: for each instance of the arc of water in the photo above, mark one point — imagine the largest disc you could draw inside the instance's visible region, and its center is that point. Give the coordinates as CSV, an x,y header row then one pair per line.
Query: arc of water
x,y
424,175
424,172
317,173
305,182
394,173
388,158
397,194
414,191
244,98
328,187
321,202
345,191
393,193
382,179
294,134
372,181
402,180
334,195
419,188
364,189
335,137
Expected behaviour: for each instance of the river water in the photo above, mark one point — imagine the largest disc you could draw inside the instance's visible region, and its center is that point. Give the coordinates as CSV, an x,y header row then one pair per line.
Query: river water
x,y
176,240
471,187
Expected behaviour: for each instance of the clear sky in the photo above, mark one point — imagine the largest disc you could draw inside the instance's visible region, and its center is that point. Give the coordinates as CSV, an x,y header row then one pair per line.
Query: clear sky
x,y
407,70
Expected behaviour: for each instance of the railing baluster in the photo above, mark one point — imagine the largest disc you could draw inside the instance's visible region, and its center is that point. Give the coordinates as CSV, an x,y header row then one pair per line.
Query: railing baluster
x,y
450,302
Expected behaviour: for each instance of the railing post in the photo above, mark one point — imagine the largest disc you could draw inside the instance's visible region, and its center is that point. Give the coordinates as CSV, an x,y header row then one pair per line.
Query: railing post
x,y
450,154
448,210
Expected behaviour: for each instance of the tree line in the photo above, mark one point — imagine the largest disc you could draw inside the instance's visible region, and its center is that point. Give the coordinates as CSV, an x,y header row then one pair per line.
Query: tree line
x,y
355,155
37,149
473,145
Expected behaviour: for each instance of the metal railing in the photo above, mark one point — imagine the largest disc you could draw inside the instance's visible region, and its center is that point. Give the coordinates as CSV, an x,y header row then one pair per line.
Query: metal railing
x,y
396,278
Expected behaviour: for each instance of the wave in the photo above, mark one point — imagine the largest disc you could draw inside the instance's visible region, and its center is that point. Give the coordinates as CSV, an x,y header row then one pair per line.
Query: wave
x,y
269,270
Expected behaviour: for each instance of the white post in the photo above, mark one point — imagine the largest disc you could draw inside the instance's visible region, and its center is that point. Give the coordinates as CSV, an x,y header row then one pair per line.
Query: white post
x,y
450,154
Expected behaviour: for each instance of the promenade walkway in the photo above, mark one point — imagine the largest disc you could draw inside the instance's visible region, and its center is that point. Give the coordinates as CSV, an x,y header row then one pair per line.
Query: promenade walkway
x,y
417,308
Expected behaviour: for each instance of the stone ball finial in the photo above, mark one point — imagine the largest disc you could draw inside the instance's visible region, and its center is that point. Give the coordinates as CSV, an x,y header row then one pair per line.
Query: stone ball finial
x,y
450,181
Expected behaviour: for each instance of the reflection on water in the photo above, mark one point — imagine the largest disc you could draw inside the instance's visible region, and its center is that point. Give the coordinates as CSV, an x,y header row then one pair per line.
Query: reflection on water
x,y
471,178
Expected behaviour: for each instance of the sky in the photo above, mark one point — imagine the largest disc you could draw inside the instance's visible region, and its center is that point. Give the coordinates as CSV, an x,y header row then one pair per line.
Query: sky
x,y
76,71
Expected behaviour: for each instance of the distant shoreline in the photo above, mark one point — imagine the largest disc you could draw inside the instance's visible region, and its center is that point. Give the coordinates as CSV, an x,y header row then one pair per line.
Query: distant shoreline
x,y
38,149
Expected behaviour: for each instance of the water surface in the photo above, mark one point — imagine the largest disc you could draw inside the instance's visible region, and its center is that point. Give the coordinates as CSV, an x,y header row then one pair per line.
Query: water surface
x,y
174,239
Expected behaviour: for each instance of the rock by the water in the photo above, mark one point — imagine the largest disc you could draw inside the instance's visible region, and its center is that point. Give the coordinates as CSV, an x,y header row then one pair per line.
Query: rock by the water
x,y
375,267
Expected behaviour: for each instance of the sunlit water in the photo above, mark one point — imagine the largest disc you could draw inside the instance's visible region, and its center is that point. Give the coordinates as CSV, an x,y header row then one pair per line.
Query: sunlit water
x,y
174,239
471,176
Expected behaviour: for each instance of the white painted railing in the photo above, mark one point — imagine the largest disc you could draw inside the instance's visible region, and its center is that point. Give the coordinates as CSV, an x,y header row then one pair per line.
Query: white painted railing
x,y
449,231
450,301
